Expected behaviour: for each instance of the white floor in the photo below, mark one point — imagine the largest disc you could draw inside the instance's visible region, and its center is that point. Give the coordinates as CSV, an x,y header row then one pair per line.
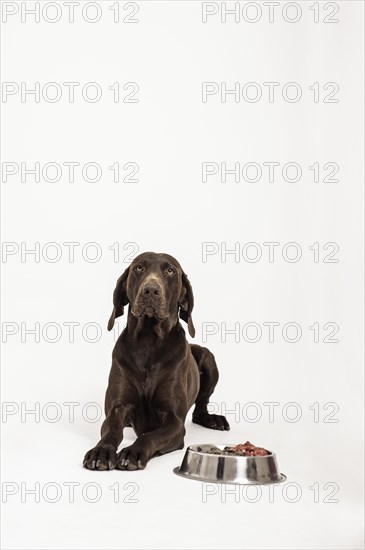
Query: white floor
x,y
157,509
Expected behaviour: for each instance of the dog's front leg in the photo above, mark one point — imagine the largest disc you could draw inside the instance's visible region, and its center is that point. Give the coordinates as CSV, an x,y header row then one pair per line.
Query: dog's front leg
x,y
104,455
163,440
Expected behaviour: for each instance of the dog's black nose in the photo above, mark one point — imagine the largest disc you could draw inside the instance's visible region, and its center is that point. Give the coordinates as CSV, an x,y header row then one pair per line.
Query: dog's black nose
x,y
152,289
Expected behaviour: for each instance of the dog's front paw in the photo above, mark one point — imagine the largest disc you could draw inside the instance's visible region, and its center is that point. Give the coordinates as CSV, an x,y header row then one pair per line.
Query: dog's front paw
x,y
131,458
101,458
213,421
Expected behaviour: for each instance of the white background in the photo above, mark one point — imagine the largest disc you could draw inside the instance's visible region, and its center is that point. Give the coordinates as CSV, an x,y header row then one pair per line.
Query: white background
x,y
169,133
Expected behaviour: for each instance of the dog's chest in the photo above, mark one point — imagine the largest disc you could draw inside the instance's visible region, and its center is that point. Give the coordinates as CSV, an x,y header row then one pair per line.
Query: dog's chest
x,y
149,370
148,378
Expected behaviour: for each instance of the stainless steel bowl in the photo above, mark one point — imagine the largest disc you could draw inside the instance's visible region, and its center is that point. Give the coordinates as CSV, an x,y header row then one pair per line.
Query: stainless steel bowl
x,y
215,468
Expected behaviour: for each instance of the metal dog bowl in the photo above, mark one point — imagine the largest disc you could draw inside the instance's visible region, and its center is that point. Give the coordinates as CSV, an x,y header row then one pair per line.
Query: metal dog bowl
x,y
215,468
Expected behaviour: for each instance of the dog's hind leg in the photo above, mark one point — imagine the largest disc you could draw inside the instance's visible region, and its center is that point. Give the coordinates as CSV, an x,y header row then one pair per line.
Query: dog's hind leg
x,y
208,380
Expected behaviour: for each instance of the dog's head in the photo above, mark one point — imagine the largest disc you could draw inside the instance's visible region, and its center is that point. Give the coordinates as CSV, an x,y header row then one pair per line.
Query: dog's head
x,y
154,285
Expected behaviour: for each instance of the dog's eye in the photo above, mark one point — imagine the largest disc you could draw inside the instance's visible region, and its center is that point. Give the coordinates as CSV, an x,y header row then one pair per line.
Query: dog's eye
x,y
138,268
170,271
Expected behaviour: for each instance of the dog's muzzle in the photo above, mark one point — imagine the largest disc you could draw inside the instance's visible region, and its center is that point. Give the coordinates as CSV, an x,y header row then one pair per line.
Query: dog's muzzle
x,y
150,300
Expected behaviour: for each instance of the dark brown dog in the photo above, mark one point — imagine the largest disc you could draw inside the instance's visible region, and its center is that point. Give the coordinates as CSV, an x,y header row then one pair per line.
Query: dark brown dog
x,y
156,375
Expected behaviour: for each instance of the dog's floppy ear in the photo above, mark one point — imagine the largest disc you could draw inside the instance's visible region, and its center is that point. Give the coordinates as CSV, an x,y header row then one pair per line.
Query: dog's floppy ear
x,y
120,298
186,304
